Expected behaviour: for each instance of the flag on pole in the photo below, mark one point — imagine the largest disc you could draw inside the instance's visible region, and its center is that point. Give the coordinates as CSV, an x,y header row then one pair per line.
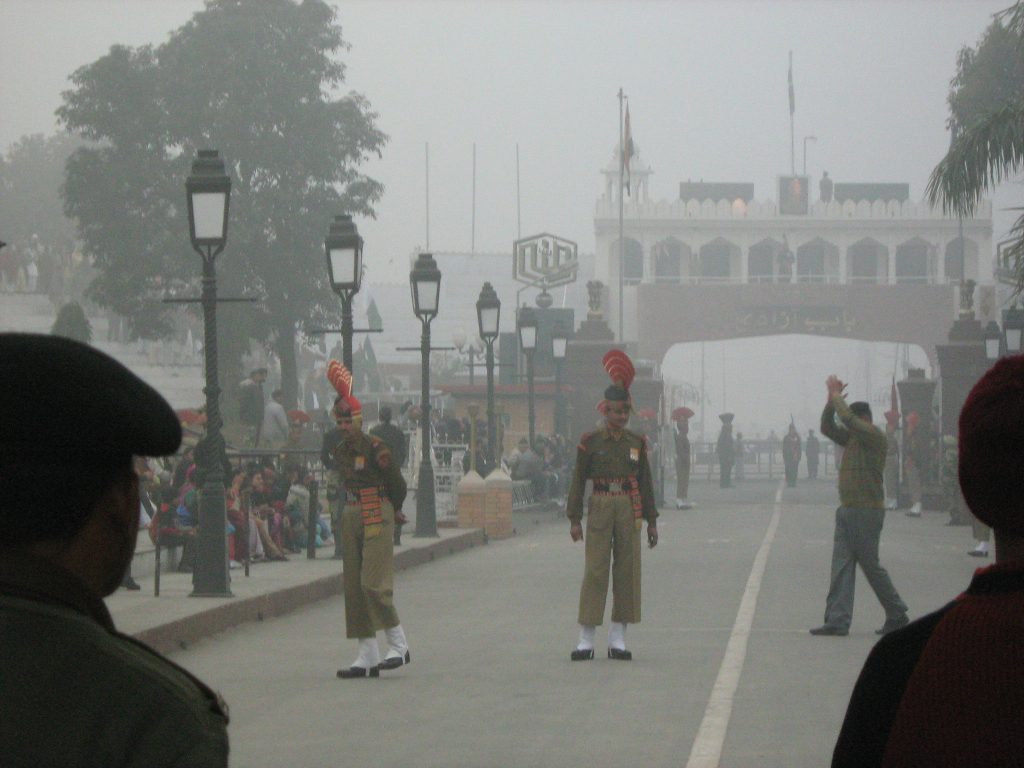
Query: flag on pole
x,y
792,96
627,152
894,403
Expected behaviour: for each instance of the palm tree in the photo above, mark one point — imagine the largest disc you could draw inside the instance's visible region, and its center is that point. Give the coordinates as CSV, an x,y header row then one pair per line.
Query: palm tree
x,y
986,149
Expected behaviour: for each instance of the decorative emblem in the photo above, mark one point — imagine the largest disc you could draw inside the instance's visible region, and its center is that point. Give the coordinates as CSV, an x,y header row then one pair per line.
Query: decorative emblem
x,y
544,261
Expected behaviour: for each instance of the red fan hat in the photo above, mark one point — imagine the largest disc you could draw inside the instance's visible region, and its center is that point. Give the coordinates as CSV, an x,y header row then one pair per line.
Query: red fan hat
x,y
341,379
681,414
621,372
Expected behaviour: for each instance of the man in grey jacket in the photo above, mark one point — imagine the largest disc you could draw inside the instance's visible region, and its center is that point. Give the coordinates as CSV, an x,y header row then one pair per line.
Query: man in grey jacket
x,y
76,692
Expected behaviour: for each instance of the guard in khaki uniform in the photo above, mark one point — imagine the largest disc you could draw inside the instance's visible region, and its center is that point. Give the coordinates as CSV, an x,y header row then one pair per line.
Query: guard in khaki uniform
x,y
681,416
374,492
615,459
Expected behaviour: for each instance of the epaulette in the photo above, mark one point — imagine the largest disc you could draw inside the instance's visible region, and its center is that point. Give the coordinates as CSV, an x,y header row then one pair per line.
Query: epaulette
x,y
582,445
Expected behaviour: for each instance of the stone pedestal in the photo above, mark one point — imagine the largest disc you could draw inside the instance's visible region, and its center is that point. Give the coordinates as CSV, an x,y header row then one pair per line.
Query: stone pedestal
x,y
497,521
472,493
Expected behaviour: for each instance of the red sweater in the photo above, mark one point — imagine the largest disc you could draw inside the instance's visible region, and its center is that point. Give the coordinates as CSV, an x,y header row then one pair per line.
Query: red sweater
x,y
947,690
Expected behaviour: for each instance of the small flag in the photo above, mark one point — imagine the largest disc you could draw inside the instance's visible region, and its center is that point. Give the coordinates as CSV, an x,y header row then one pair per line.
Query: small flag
x,y
792,96
627,152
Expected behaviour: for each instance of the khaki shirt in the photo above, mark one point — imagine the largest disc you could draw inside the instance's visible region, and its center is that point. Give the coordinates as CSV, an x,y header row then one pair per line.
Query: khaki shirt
x,y
366,461
75,692
604,455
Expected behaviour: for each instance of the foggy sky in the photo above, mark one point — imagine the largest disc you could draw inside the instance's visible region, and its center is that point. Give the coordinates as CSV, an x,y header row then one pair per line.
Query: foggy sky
x,y
706,83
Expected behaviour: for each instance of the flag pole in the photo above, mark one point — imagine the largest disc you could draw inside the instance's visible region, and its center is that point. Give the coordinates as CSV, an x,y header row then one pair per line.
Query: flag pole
x,y
519,210
472,235
622,245
427,161
792,109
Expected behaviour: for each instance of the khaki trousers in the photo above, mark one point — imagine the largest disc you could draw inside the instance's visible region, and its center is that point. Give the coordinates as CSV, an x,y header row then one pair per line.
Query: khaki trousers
x,y
611,540
369,563
682,480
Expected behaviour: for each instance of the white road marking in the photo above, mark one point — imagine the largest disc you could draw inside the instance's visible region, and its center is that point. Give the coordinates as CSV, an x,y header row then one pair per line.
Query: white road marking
x,y
707,747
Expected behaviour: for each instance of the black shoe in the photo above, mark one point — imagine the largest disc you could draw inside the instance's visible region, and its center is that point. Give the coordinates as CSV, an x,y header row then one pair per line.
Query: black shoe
x,y
830,630
972,553
620,654
131,584
582,655
356,672
891,625
396,661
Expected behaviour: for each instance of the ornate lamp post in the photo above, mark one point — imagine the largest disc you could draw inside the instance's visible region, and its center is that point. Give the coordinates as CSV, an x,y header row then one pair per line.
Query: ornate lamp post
x,y
527,323
488,313
993,341
208,190
1013,329
425,282
344,248
559,347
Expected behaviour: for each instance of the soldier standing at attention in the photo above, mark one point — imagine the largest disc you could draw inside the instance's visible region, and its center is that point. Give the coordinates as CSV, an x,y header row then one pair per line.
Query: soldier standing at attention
x,y
75,690
374,492
682,416
615,459
726,450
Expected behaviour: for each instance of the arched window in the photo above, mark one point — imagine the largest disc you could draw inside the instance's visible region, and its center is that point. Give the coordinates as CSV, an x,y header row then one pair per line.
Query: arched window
x,y
867,261
667,260
715,259
633,264
912,261
954,257
761,260
812,260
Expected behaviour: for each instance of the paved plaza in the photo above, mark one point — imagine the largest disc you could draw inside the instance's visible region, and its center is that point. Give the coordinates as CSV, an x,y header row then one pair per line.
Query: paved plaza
x,y
724,671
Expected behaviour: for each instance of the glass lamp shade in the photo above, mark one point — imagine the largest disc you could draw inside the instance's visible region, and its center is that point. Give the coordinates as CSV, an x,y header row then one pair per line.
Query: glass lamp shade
x,y
344,248
208,190
527,329
459,339
1013,328
425,282
993,340
488,312
559,345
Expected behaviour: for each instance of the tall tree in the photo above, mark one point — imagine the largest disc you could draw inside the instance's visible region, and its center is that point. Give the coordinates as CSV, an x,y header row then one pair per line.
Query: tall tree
x,y
986,102
257,81
31,175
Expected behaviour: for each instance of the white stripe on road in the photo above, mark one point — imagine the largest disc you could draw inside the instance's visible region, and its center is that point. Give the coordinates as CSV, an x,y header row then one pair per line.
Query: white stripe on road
x,y
707,747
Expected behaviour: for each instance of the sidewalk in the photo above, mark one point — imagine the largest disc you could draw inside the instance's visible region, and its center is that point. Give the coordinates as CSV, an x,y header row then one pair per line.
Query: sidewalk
x,y
174,620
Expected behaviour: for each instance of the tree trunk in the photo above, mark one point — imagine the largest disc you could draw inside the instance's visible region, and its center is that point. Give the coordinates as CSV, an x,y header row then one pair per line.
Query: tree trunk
x,y
285,346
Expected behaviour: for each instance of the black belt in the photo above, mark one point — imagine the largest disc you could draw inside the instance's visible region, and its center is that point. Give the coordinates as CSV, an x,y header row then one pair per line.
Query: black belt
x,y
613,485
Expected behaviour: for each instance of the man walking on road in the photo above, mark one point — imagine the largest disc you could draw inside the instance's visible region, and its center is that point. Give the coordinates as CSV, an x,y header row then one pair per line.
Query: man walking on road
x,y
859,516
812,448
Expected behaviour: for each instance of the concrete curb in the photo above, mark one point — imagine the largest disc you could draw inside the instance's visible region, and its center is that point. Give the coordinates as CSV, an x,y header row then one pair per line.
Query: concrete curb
x,y
180,633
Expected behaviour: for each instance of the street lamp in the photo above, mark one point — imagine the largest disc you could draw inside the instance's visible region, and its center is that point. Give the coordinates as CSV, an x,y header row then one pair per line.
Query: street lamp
x,y
806,139
425,283
488,313
1013,329
559,347
344,249
208,190
993,340
527,322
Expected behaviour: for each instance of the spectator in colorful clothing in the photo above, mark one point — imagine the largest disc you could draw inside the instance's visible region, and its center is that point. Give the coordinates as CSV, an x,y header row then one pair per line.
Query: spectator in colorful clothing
x,y
948,690
860,514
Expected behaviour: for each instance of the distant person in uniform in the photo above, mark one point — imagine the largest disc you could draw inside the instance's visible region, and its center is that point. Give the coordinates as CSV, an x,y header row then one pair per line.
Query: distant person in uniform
x,y
726,450
792,452
948,690
615,460
859,517
892,460
739,446
825,188
75,691
374,493
813,450
914,453
681,434
395,440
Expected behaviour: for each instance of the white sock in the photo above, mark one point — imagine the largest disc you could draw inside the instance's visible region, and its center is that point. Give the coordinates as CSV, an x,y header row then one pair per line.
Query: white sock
x,y
369,653
617,636
586,642
397,644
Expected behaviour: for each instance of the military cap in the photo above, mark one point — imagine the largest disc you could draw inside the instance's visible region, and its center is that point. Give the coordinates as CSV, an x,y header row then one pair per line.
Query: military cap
x,y
62,401
726,417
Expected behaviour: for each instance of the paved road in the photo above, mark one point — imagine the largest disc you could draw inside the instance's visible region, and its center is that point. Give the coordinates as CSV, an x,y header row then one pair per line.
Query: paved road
x,y
491,683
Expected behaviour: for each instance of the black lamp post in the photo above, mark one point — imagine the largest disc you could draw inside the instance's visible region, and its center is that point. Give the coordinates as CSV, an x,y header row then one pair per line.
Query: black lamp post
x,y
1013,329
993,341
527,323
208,190
344,248
425,282
559,347
488,313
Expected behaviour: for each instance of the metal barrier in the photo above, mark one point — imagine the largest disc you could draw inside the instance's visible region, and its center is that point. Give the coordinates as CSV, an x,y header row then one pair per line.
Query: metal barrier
x,y
761,459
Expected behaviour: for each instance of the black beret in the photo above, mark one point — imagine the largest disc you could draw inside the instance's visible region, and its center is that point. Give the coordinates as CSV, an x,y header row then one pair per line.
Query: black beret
x,y
616,394
63,401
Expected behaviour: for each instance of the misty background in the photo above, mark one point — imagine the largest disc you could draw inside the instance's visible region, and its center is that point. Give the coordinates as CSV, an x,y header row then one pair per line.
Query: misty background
x,y
707,88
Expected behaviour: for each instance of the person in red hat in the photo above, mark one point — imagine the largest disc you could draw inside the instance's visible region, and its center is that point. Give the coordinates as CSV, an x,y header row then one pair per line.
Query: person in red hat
x,y
615,459
374,491
681,417
948,690
892,459
913,460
